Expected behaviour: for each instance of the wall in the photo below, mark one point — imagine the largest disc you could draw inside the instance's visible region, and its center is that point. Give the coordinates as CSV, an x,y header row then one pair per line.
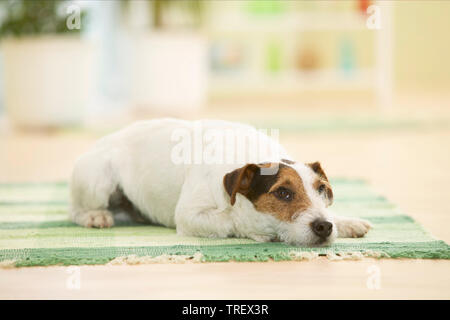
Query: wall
x,y
422,44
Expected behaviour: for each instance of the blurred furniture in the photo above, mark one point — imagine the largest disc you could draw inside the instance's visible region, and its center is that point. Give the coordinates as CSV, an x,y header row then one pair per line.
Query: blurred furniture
x,y
273,55
47,80
168,56
47,66
169,72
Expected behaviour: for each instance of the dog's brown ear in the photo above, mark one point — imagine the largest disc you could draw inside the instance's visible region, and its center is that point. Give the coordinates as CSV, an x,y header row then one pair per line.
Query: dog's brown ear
x,y
317,168
239,180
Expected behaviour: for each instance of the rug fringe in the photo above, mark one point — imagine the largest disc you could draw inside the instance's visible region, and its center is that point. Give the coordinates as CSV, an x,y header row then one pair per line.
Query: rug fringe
x,y
303,255
337,256
198,257
7,264
355,255
165,258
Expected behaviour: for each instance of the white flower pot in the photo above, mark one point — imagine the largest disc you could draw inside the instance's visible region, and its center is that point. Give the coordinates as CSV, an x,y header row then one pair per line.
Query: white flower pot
x,y
47,80
169,72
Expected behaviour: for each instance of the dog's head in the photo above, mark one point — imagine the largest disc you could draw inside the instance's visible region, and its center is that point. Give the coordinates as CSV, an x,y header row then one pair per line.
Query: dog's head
x,y
288,200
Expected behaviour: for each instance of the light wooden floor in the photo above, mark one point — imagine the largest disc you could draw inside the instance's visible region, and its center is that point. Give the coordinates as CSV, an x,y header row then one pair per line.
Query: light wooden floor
x,y
319,279
411,167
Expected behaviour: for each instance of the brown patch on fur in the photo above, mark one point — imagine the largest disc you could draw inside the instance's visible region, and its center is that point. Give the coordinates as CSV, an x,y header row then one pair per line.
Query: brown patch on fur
x,y
284,210
322,180
260,189
248,181
317,168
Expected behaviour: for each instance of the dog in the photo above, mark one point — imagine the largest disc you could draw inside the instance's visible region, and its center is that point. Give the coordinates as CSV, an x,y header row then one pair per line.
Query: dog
x,y
152,171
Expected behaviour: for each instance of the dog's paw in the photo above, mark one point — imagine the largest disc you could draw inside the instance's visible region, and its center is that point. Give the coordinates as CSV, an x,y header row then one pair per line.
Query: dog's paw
x,y
97,219
353,228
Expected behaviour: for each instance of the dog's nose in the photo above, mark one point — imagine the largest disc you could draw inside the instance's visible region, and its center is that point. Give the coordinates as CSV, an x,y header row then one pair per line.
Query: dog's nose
x,y
322,228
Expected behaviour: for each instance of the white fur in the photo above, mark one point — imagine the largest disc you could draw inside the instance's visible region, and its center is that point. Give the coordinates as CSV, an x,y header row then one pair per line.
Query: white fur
x,y
188,197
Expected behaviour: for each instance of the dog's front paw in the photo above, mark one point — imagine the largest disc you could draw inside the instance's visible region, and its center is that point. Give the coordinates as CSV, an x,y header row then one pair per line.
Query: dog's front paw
x,y
353,228
97,219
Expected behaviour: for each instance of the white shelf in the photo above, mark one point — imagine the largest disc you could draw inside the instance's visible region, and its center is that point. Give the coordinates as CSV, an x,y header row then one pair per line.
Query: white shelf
x,y
295,81
226,22
293,22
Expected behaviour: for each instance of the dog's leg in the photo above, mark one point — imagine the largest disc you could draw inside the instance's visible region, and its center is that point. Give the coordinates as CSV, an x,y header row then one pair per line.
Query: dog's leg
x,y
91,187
207,222
197,214
351,227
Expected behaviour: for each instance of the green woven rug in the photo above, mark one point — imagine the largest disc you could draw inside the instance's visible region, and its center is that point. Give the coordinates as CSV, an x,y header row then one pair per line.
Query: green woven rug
x,y
34,231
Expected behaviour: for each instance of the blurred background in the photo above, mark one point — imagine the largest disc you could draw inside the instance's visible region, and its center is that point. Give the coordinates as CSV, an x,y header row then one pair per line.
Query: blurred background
x,y
363,86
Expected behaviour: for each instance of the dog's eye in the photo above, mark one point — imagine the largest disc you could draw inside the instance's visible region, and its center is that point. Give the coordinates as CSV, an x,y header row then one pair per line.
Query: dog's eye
x,y
284,194
321,188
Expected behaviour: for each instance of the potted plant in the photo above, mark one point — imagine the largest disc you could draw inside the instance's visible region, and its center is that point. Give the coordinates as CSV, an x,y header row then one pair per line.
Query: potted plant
x,y
169,56
47,67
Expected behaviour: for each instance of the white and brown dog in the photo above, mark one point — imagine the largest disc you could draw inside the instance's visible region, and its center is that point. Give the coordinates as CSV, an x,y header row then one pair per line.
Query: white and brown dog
x,y
152,170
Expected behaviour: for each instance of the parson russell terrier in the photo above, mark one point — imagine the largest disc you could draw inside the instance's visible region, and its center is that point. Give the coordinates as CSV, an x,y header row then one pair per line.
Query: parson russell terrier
x,y
207,178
